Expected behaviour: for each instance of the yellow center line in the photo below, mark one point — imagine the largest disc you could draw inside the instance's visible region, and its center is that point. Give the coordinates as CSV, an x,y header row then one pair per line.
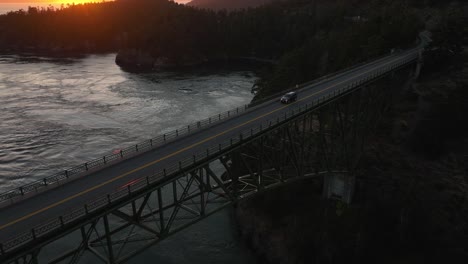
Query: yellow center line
x,y
175,153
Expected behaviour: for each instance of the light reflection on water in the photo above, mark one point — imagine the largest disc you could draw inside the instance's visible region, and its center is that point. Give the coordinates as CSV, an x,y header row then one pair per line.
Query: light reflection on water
x,y
55,113
58,113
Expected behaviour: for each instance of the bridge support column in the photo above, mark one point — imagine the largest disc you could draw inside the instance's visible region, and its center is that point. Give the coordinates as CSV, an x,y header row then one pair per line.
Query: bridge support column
x,y
111,259
232,165
236,161
339,186
419,64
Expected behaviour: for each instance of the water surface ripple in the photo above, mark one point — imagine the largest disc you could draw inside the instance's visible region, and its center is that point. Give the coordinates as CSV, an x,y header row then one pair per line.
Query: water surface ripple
x,y
57,113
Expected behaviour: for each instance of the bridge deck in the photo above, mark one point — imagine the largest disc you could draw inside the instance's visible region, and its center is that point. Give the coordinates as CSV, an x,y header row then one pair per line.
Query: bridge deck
x,y
26,214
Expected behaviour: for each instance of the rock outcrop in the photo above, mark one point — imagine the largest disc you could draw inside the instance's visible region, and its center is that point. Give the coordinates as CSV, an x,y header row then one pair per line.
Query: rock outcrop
x,y
134,59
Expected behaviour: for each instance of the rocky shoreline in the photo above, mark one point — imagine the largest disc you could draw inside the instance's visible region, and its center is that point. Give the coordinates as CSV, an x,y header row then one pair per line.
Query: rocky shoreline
x,y
139,60
134,59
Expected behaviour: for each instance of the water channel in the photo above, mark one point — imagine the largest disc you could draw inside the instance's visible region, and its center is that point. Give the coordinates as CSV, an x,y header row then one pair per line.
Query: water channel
x,y
56,113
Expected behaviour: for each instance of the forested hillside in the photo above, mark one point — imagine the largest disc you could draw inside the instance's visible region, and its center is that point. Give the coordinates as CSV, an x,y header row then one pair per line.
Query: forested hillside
x,y
307,38
411,199
166,29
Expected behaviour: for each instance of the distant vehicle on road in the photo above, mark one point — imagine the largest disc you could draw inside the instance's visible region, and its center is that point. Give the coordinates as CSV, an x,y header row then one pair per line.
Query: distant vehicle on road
x,y
288,98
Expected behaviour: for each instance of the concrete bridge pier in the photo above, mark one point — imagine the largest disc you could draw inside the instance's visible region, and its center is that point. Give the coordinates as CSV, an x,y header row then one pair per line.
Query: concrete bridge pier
x,y
339,185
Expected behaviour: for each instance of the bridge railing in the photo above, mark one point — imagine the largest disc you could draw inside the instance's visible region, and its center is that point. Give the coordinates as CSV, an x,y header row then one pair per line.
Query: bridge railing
x,y
52,181
184,165
122,154
327,77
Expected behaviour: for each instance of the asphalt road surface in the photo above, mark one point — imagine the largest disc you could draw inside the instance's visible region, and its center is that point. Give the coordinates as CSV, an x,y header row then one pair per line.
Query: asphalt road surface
x,y
22,216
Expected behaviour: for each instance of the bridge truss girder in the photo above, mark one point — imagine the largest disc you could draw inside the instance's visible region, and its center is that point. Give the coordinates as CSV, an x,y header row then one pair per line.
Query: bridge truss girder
x,y
326,139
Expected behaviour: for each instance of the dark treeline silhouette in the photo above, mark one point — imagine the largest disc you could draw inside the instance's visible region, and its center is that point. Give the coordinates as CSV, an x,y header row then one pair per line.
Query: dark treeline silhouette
x,y
90,27
306,37
164,28
227,4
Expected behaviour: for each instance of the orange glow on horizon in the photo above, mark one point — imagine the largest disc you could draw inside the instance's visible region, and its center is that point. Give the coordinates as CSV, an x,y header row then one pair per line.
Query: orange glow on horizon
x,y
67,1
15,5
76,2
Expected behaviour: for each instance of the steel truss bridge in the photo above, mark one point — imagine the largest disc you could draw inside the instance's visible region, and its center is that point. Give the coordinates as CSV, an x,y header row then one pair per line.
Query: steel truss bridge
x,y
120,205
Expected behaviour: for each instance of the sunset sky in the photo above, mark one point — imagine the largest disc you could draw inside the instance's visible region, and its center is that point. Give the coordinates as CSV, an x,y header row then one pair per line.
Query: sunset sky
x,y
13,5
64,1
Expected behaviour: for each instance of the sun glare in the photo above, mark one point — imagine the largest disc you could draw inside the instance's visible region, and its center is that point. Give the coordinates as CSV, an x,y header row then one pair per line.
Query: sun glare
x,y
65,2
76,2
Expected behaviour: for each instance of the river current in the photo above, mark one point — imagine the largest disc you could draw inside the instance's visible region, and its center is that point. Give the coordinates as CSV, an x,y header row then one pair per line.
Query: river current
x,y
56,113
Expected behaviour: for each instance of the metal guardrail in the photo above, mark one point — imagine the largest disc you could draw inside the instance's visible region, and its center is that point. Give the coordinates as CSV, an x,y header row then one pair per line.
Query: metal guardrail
x,y
142,147
326,77
177,168
123,154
